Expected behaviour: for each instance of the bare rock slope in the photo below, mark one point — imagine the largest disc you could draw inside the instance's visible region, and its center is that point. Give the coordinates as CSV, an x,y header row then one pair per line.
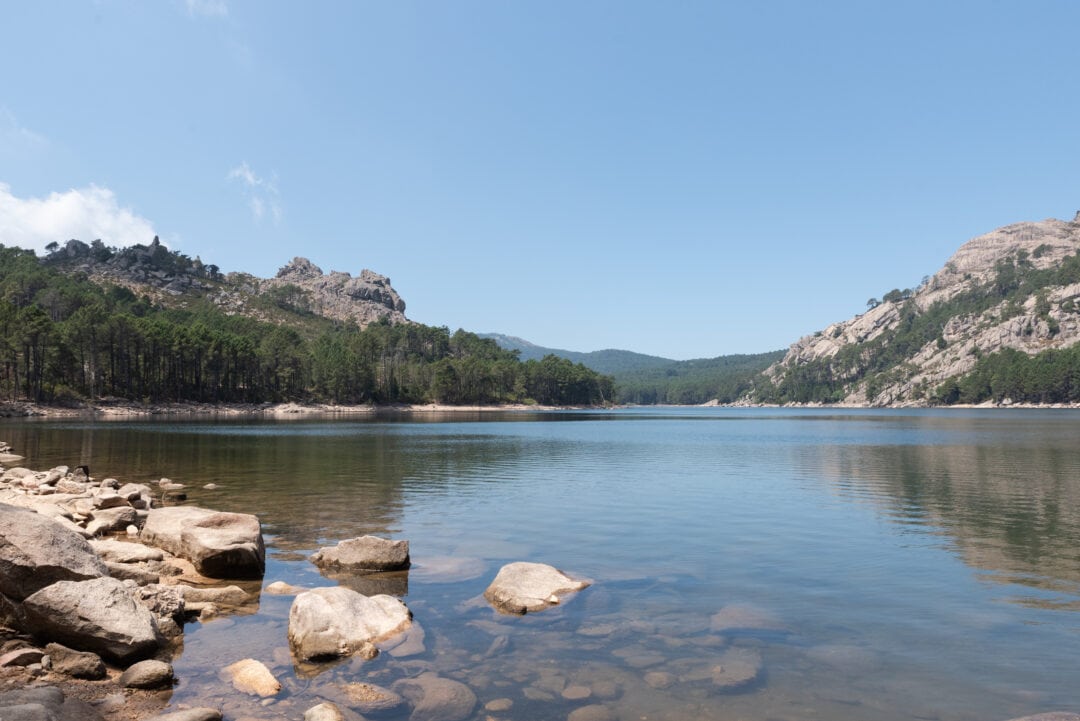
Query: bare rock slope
x,y
983,323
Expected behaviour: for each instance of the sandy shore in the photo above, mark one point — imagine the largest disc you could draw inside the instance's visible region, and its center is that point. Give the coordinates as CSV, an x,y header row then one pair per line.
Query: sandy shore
x,y
123,409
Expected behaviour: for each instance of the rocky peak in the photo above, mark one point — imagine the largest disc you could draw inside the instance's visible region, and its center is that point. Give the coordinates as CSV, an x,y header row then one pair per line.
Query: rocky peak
x,y
1028,324
299,269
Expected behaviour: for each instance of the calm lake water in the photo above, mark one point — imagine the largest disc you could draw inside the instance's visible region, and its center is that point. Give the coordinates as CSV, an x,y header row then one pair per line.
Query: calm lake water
x,y
897,564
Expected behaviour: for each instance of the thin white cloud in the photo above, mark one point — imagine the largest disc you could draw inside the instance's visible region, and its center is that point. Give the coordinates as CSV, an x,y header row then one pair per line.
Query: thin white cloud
x,y
207,8
82,213
14,137
262,193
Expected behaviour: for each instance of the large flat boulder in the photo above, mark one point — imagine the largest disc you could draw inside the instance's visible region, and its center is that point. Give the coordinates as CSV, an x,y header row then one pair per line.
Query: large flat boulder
x,y
36,552
366,554
98,615
329,622
218,544
524,587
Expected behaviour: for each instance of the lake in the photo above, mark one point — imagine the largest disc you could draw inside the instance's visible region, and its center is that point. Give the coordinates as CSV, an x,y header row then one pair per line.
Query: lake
x,y
890,565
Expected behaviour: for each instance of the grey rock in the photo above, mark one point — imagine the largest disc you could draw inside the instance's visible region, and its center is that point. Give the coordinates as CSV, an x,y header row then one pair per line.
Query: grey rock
x,y
220,545
592,712
36,551
107,520
201,713
324,712
526,587
77,664
434,698
366,553
44,703
124,552
132,572
147,674
98,615
328,622
21,657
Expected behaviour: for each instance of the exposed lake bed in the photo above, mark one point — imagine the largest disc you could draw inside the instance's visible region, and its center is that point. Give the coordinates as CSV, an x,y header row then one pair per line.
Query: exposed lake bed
x,y
747,563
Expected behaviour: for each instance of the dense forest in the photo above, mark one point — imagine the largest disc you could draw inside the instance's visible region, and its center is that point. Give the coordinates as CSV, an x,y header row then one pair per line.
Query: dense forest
x,y
66,339
725,379
1005,374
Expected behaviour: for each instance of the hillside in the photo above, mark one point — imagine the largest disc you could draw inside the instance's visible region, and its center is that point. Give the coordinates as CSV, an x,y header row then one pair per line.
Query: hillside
x,y
173,280
93,324
649,380
608,362
999,322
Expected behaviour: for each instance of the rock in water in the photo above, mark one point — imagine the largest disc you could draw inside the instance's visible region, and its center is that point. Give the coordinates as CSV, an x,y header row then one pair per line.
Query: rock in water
x,y
434,698
324,712
251,676
523,587
328,622
98,615
366,553
220,545
36,552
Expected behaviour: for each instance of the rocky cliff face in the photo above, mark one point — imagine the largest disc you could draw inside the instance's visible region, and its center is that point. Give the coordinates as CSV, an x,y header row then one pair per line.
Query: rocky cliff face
x,y
1048,318
299,287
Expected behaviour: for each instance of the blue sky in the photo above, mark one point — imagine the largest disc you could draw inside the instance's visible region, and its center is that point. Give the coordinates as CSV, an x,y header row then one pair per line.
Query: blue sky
x,y
683,179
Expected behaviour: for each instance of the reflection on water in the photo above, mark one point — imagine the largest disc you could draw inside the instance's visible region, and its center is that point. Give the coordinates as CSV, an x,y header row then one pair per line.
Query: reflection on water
x,y
749,564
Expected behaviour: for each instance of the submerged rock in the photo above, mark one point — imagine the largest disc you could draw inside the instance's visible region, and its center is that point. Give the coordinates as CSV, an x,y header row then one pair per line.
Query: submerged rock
x,y
253,677
592,712
329,622
434,698
523,587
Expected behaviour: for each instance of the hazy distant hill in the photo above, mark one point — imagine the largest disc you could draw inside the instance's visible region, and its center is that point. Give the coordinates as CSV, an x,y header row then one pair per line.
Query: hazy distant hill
x,y
1000,322
647,380
608,362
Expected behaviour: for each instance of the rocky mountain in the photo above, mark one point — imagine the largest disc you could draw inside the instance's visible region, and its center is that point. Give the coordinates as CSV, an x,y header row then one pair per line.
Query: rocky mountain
x,y
1015,290
173,279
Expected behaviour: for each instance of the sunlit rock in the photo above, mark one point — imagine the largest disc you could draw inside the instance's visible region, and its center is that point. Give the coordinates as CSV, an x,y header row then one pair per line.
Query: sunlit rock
x,y
528,587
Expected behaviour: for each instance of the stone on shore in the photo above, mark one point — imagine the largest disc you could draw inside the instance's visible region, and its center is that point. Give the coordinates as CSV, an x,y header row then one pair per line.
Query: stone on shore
x,y
219,544
36,552
364,554
125,552
329,622
98,615
44,703
147,674
253,677
77,664
201,713
525,587
434,698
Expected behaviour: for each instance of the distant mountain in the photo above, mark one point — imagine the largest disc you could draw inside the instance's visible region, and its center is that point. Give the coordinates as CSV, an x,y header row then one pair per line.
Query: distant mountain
x,y
648,380
608,362
1000,322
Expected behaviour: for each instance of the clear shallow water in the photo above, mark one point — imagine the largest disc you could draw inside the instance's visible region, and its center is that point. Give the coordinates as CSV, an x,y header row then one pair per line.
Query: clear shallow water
x,y
917,564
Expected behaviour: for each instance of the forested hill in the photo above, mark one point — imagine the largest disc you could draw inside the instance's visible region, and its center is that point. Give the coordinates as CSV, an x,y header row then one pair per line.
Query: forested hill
x,y
1000,323
648,380
145,324
609,361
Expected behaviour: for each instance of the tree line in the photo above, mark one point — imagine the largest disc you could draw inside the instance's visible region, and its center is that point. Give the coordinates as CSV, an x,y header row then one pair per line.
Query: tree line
x,y
64,338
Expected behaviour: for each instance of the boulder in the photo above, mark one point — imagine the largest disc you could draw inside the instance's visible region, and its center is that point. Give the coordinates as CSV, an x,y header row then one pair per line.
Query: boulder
x,y
22,657
98,615
36,552
434,698
124,552
147,674
329,622
220,545
201,713
44,703
253,677
364,554
523,587
107,520
77,664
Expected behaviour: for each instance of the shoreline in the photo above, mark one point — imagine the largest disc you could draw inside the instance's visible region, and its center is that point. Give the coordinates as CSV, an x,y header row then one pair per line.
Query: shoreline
x,y
125,409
